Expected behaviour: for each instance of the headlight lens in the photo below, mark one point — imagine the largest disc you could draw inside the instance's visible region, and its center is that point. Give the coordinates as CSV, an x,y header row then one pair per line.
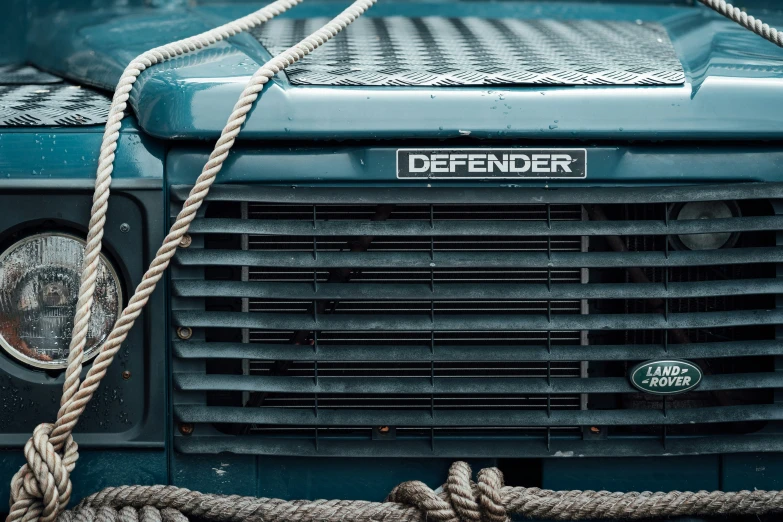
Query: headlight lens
x,y
705,210
39,286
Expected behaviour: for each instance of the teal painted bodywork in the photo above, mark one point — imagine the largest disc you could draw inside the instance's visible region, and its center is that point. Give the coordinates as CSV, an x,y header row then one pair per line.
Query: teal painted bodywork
x,y
50,163
607,165
97,469
71,153
733,93
733,80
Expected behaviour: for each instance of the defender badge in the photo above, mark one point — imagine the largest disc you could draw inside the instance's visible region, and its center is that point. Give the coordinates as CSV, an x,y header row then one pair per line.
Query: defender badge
x,y
516,163
666,377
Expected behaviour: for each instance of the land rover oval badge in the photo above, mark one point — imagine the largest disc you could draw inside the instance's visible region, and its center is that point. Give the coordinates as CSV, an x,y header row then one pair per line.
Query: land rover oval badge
x,y
666,376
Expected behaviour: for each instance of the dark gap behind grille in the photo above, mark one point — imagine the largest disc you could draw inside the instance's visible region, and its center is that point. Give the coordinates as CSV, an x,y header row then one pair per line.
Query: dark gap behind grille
x,y
402,370
521,369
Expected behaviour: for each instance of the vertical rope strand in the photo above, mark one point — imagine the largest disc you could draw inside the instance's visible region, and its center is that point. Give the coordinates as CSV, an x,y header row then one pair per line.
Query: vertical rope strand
x,y
41,489
745,20
103,182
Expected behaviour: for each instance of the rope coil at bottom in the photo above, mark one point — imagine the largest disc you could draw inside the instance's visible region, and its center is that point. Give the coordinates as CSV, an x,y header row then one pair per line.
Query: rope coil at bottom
x,y
125,514
461,500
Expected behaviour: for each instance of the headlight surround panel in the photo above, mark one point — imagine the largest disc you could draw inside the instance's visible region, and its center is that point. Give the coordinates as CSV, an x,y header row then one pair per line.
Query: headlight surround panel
x,y
123,412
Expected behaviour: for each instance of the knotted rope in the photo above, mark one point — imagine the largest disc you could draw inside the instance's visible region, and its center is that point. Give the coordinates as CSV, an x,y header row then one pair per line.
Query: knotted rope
x,y
41,489
461,500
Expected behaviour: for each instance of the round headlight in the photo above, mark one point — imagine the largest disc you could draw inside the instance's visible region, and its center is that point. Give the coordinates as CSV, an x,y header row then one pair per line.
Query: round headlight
x,y
39,286
705,210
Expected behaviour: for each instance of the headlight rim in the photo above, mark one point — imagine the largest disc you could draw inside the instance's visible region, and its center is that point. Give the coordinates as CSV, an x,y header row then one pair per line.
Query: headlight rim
x,y
89,354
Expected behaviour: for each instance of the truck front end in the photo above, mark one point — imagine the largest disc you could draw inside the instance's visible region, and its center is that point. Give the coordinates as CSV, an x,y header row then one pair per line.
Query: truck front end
x,y
538,236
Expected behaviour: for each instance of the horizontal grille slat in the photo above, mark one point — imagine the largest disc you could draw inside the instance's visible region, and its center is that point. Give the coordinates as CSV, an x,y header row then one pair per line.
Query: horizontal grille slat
x,y
516,260
424,353
510,228
464,322
452,386
472,418
423,195
477,321
486,291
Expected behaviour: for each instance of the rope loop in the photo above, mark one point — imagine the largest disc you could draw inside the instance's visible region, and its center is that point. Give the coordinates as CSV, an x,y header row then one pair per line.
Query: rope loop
x,y
462,500
42,488
419,495
490,484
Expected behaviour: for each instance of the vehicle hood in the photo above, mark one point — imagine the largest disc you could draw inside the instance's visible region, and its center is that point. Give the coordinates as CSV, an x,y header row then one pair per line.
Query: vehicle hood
x,y
730,85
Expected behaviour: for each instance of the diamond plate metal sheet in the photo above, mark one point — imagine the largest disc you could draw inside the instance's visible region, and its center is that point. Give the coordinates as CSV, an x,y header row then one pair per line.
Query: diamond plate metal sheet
x,y
475,51
49,105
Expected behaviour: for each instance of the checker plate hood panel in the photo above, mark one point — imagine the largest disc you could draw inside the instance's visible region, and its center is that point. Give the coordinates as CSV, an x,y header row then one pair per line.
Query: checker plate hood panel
x,y
432,51
730,86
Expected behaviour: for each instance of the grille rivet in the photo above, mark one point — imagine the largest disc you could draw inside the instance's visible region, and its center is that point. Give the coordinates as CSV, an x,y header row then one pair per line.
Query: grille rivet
x,y
185,241
184,333
186,429
125,227
126,375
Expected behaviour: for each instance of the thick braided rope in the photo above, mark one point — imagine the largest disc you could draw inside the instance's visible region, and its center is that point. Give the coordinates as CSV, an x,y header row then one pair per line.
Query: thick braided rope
x,y
197,194
42,488
745,20
65,418
416,502
25,492
125,514
459,489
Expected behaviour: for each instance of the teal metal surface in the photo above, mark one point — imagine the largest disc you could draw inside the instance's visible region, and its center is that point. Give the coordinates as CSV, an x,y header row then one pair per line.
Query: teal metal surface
x,y
679,473
13,26
372,479
764,472
346,165
304,478
733,80
96,470
47,174
72,153
292,477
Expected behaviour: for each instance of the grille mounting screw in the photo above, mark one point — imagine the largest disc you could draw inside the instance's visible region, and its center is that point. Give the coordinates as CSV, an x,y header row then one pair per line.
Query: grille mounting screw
x,y
126,375
184,333
125,228
186,429
185,241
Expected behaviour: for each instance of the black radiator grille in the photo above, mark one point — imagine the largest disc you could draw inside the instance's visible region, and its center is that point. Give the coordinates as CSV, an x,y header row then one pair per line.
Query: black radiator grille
x,y
449,321
403,275
406,370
